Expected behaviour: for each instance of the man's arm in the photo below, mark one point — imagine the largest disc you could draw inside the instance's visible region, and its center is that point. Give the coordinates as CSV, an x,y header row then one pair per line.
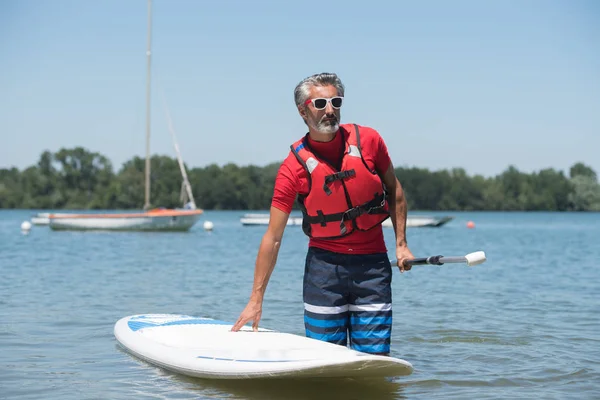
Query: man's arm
x,y
398,212
265,263
397,203
267,253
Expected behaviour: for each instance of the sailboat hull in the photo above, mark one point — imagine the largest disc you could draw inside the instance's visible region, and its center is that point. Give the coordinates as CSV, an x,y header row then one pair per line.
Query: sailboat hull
x,y
167,220
421,222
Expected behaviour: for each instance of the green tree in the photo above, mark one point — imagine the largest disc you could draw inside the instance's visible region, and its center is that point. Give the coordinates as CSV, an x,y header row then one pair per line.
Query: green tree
x,y
78,178
83,177
11,195
586,194
580,169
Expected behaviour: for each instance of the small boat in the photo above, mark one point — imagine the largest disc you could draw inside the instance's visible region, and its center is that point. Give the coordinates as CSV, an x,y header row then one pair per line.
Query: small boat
x,y
421,221
43,218
37,220
263,219
151,219
159,219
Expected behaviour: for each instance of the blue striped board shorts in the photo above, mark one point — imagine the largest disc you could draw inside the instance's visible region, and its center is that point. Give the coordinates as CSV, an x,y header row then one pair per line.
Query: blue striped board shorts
x,y
348,299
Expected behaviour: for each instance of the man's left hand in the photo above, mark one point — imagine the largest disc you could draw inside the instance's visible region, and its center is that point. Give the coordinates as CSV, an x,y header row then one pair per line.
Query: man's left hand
x,y
403,253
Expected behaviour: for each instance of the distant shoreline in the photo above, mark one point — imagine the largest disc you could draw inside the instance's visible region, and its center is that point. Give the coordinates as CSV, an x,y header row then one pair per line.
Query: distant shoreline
x,y
77,179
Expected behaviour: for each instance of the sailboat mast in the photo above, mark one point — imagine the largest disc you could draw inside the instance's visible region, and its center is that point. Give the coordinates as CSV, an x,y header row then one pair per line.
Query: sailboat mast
x,y
148,80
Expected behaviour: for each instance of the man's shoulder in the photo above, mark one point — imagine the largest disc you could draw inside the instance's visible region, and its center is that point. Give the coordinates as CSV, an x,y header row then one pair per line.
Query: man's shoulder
x,y
290,171
289,159
291,164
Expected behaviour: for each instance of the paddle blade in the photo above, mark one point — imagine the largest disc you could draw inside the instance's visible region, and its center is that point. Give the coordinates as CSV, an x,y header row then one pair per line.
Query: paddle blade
x,y
475,258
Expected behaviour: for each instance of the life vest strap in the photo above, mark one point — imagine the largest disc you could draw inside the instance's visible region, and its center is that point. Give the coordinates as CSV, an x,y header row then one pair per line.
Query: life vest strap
x,y
335,177
373,206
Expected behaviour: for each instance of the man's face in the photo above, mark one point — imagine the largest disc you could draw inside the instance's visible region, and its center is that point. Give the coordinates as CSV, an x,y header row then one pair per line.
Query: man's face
x,y
326,120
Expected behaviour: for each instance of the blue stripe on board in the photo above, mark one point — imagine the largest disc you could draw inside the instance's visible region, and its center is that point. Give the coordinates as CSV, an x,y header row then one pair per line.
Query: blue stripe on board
x,y
325,323
327,337
354,320
373,348
238,360
371,334
137,324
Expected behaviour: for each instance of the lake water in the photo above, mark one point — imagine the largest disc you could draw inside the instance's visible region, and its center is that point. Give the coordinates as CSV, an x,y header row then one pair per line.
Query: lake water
x,y
523,325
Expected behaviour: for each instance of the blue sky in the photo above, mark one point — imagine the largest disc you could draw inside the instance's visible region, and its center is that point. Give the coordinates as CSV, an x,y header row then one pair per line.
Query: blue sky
x,y
474,84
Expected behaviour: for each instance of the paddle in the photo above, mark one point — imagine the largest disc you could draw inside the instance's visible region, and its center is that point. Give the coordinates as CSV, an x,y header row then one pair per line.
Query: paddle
x,y
470,259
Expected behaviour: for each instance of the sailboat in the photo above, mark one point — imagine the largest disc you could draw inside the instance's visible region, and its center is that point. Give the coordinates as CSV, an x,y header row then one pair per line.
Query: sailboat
x,y
157,219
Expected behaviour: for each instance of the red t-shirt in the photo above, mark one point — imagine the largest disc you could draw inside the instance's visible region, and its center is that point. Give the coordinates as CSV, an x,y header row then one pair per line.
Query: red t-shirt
x,y
289,183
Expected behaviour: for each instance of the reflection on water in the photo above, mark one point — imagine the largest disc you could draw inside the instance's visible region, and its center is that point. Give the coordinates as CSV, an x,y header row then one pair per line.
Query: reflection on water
x,y
339,388
279,388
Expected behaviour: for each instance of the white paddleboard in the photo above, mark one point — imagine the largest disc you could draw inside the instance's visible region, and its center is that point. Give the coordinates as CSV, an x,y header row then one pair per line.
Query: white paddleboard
x,y
206,348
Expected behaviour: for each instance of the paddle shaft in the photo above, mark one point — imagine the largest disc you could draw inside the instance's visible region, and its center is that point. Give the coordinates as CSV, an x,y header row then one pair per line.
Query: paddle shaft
x,y
470,259
434,260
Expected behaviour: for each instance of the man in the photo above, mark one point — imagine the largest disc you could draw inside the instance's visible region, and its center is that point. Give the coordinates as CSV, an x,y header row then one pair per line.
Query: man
x,y
344,180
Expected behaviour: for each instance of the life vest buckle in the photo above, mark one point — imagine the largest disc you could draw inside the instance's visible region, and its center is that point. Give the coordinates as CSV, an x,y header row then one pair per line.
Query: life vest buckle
x,y
353,213
337,176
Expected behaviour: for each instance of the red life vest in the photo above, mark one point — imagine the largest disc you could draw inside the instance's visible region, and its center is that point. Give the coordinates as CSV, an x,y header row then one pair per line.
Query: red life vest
x,y
340,202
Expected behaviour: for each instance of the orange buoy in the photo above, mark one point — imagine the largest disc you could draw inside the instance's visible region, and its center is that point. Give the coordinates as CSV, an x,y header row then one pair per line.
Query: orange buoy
x,y
470,225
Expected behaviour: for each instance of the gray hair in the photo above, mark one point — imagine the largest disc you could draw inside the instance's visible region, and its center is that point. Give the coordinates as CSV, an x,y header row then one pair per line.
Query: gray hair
x,y
301,93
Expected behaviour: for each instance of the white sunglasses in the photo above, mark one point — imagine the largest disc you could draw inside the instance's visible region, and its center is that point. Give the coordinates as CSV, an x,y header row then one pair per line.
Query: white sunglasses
x,y
320,103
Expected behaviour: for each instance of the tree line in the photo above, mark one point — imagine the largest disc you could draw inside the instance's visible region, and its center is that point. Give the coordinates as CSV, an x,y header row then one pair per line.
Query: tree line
x,y
80,179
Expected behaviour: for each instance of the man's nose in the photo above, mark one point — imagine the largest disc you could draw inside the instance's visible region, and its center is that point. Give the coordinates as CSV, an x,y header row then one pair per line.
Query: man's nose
x,y
329,108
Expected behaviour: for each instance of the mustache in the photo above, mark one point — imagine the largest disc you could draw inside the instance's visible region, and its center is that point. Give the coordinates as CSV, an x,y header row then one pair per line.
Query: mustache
x,y
329,117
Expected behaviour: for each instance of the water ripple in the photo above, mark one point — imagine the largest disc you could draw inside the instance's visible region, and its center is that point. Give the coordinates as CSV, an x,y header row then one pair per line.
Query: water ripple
x,y
518,326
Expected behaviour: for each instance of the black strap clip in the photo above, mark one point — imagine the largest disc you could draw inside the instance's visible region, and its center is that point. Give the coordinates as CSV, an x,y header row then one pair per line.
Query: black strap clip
x,y
335,177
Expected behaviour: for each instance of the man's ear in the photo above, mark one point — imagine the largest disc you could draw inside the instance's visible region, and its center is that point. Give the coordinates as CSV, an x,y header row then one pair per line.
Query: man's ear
x,y
302,112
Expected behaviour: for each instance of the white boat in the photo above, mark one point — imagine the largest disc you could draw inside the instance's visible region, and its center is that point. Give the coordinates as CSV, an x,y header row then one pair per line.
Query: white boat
x,y
157,219
41,218
153,220
421,221
263,219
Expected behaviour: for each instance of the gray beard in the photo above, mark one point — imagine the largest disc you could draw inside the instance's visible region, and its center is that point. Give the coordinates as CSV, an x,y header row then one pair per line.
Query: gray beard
x,y
326,127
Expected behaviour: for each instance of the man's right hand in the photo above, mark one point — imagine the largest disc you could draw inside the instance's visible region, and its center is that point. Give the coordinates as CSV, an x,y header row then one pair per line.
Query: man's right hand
x,y
252,312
